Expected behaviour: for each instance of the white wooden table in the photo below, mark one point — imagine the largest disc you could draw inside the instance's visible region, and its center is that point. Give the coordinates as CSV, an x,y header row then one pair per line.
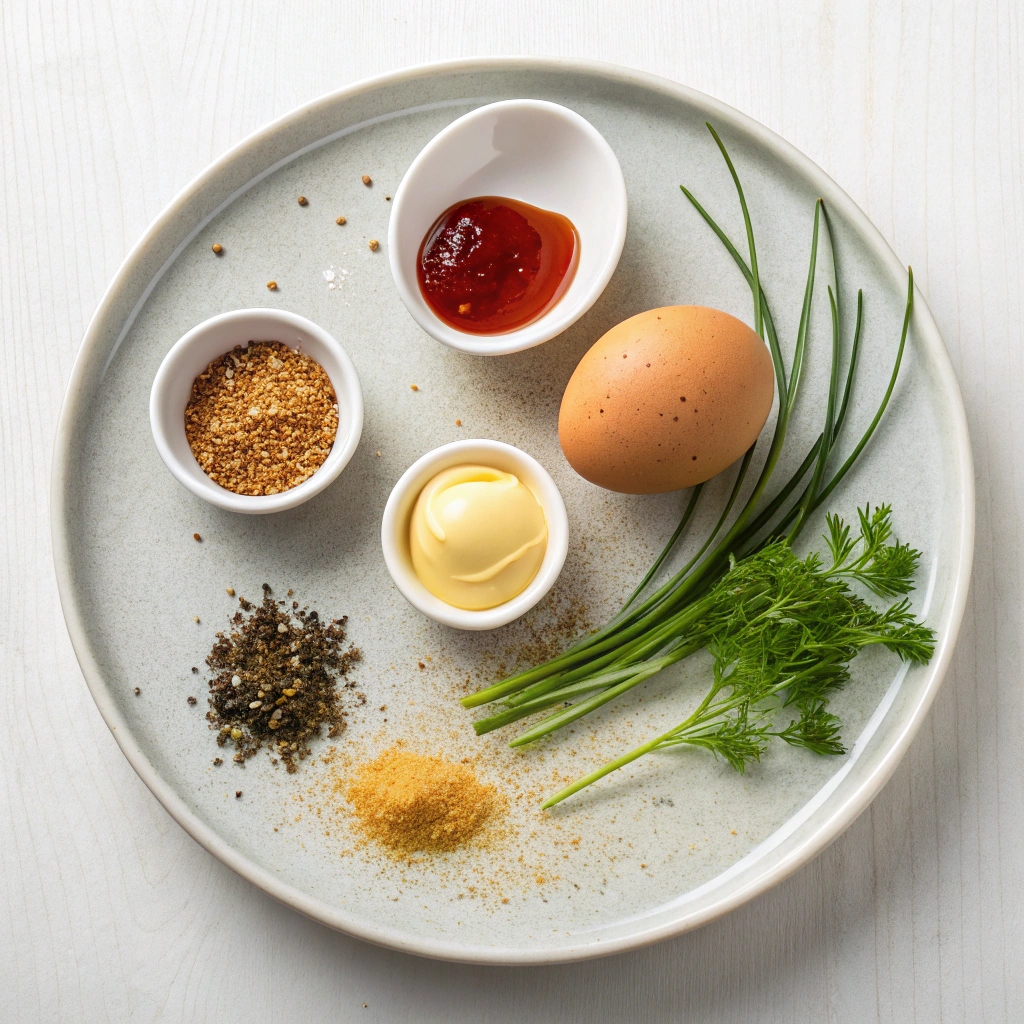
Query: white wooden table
x,y
109,912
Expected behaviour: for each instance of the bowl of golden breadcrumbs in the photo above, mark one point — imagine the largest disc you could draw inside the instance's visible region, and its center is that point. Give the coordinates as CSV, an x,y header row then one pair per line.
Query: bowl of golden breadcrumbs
x,y
256,410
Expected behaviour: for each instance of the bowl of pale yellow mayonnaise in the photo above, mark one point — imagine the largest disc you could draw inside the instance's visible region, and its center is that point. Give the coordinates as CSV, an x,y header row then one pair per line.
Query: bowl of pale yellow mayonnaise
x,y
475,534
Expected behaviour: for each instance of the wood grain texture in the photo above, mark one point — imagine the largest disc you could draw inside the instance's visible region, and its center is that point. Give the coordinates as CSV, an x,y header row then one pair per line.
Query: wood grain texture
x,y
109,912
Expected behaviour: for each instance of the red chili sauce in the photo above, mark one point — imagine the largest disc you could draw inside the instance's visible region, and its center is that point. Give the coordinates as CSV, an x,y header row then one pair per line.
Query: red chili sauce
x,y
490,265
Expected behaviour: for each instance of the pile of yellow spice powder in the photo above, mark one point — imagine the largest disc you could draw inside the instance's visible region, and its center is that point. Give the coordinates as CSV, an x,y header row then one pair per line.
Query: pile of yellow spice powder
x,y
413,803
261,419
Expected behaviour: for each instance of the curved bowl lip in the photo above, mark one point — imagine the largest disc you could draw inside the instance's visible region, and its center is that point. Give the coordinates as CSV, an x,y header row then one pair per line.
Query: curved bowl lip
x,y
394,530
92,353
557,319
346,388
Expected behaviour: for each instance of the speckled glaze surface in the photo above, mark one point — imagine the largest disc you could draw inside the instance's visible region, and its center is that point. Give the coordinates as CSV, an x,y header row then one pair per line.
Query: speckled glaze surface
x,y
669,843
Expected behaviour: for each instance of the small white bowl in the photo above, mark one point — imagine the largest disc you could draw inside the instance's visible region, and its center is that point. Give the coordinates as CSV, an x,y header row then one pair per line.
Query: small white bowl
x,y
531,150
394,532
195,351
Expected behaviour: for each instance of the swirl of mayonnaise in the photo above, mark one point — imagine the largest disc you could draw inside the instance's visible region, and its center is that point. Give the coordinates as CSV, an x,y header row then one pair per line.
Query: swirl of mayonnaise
x,y
477,536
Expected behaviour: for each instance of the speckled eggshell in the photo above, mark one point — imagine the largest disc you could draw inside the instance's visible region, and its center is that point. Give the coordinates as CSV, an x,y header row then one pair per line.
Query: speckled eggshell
x,y
665,400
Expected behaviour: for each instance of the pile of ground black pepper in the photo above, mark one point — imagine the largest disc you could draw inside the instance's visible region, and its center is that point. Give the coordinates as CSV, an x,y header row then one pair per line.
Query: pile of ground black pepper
x,y
280,677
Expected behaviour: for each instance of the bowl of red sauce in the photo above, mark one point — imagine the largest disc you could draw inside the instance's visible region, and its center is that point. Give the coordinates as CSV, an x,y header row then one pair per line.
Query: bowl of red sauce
x,y
507,226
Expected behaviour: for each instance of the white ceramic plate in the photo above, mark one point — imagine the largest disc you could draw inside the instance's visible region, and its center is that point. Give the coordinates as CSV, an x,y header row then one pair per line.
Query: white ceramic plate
x,y
671,842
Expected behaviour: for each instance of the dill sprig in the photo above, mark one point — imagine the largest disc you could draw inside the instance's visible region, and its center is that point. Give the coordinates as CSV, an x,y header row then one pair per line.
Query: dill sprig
x,y
781,629
782,632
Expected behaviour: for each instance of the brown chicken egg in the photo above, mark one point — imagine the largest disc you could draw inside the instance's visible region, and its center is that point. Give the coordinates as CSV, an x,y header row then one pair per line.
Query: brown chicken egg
x,y
665,400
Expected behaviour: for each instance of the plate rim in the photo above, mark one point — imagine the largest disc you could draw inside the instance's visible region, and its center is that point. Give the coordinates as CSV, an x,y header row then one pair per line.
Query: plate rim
x,y
821,836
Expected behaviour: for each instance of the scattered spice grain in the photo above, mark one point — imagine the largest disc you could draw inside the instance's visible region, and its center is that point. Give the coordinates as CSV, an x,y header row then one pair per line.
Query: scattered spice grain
x,y
413,803
272,285
458,423
191,700
367,180
230,591
217,248
374,245
303,201
218,760
261,419
238,794
195,536
278,688
137,691
414,387
567,620
341,220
